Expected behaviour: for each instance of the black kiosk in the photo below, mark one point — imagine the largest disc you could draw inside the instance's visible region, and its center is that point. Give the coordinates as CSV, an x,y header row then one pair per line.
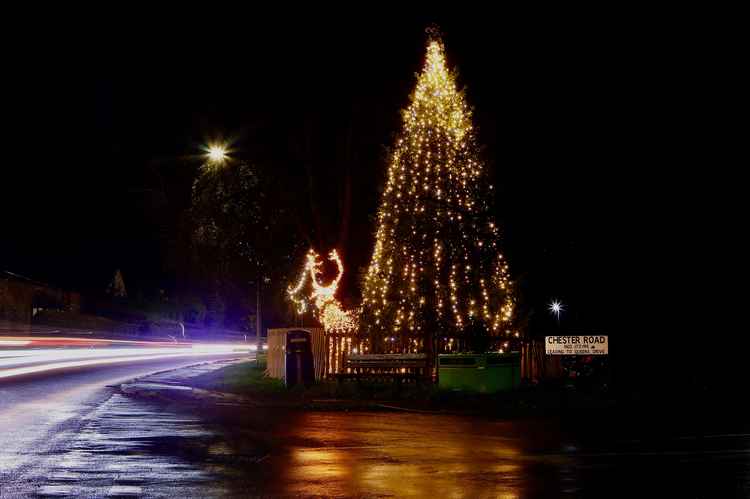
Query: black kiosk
x,y
299,359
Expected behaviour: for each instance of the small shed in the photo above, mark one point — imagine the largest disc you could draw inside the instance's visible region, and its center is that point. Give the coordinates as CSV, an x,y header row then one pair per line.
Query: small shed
x,y
277,351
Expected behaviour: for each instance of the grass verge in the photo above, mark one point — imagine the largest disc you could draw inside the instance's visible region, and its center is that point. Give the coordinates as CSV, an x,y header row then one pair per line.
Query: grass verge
x,y
244,379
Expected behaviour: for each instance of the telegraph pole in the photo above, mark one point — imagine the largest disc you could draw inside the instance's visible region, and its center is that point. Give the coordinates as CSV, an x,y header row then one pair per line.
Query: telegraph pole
x,y
258,320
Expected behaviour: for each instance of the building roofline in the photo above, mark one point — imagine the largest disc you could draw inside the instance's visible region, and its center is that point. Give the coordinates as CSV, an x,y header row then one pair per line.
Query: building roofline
x,y
20,277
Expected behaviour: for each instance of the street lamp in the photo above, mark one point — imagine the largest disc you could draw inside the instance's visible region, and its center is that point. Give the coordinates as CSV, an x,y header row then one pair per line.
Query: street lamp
x,y
217,153
555,308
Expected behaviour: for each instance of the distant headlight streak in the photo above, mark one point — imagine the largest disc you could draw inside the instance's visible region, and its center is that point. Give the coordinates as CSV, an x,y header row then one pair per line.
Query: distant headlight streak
x,y
13,343
19,361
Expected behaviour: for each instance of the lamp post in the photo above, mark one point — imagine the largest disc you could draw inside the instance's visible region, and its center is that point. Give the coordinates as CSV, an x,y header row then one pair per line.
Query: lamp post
x,y
217,154
258,311
258,319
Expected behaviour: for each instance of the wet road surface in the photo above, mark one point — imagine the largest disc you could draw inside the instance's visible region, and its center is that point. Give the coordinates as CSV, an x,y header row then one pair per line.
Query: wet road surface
x,y
69,432
102,443
436,456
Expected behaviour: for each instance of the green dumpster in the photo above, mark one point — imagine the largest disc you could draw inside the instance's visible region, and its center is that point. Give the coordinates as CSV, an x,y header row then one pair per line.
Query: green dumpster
x,y
479,373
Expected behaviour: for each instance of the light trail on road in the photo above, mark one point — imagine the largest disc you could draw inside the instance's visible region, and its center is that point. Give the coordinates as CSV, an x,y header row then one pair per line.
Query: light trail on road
x,y
30,355
53,423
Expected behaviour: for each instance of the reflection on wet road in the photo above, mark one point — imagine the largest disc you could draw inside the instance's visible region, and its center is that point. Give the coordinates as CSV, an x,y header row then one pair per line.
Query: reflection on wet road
x,y
127,446
404,455
302,454
416,455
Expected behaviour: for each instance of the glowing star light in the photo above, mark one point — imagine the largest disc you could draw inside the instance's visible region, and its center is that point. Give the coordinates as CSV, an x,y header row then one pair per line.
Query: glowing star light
x,y
556,307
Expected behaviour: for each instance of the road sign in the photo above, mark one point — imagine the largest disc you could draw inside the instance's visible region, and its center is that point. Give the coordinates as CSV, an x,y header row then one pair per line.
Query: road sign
x,y
576,345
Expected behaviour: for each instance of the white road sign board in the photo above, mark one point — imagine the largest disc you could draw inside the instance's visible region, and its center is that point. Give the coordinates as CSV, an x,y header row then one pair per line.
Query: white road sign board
x,y
576,345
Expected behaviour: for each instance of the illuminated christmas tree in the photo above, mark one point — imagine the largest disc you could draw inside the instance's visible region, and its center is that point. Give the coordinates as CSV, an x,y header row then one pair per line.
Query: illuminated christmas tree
x,y
437,279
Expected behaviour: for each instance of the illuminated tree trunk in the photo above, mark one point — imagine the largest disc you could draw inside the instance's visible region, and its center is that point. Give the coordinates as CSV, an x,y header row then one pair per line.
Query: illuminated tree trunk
x,y
437,272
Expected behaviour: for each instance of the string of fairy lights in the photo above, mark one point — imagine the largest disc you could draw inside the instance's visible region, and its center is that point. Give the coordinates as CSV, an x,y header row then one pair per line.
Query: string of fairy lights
x,y
322,298
436,260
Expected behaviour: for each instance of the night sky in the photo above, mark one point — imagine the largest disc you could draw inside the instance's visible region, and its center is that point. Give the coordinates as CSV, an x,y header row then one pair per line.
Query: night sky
x,y
591,126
